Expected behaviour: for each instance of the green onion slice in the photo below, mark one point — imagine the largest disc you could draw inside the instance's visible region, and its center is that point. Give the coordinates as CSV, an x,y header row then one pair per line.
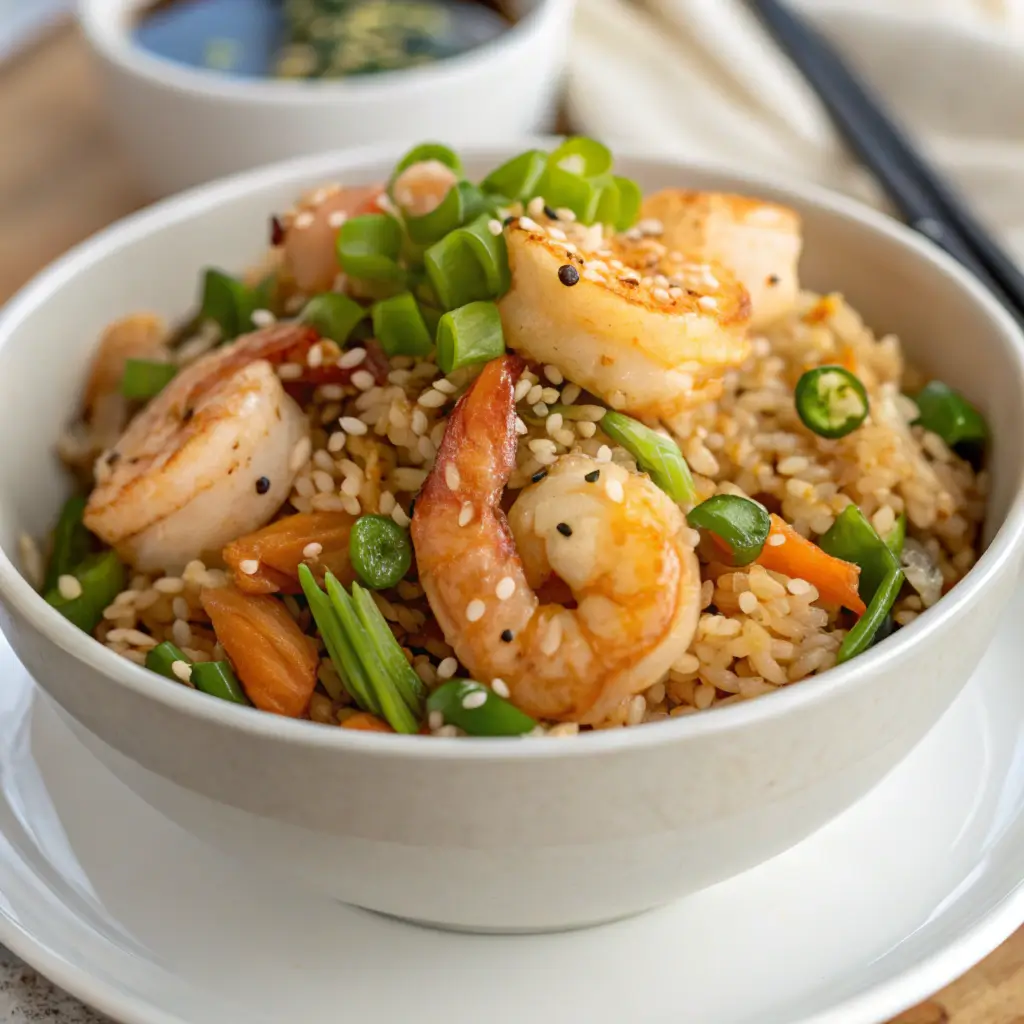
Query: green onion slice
x,y
399,327
470,334
630,200
229,303
655,454
455,272
608,205
474,202
831,401
428,151
563,188
446,217
368,248
487,714
871,625
333,316
583,157
380,551
71,542
491,252
853,539
102,578
947,413
517,178
145,378
743,524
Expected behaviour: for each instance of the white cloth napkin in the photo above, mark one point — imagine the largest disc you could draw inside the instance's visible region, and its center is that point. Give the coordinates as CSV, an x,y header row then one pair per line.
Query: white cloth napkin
x,y
700,79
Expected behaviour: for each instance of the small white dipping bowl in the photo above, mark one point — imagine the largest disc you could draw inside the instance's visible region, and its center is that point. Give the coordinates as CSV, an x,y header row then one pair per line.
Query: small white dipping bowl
x,y
501,834
184,126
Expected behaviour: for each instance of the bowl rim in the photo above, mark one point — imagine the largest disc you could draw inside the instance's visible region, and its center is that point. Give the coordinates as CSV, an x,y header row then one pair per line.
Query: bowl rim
x,y
18,594
101,22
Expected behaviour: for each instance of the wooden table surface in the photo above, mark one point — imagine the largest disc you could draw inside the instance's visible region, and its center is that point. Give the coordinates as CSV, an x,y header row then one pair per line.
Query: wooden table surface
x,y
62,178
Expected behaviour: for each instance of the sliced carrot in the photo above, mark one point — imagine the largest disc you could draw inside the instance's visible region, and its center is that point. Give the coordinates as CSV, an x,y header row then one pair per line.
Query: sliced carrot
x,y
275,661
280,548
796,556
365,722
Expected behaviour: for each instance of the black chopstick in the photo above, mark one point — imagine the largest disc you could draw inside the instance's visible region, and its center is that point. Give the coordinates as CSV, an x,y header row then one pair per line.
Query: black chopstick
x,y
928,203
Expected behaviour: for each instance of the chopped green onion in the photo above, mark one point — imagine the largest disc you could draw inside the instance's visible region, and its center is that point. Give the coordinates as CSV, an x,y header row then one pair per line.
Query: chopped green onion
x,y
399,327
70,542
228,302
474,202
145,378
478,710
743,524
517,178
470,334
217,679
583,157
431,317
380,551
831,401
657,455
561,188
455,272
947,413
873,622
333,316
853,539
368,248
428,151
447,216
101,578
608,205
895,538
630,200
159,659
347,664
491,251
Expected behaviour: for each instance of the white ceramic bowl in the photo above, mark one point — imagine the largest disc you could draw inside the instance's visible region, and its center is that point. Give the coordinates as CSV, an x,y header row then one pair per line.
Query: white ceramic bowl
x,y
184,126
501,834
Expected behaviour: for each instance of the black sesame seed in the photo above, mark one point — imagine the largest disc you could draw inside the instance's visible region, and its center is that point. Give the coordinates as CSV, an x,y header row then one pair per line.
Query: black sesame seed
x,y
564,529
550,213
113,457
276,232
510,220
773,280
262,485
506,636
568,275
538,476
412,508
593,476
187,415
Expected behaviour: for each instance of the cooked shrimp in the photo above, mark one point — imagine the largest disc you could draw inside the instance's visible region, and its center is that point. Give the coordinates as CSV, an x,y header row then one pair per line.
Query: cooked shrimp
x,y
619,544
759,241
182,480
648,333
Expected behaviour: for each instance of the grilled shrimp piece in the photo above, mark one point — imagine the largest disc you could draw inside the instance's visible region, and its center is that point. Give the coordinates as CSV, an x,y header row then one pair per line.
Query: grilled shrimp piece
x,y
759,241
618,542
182,480
648,334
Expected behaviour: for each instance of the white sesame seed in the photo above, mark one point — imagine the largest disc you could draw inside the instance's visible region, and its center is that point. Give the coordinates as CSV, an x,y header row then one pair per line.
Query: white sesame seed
x,y
593,275
541,445
351,486
169,585
521,428
535,207
181,633
289,371
505,589
435,720
475,699
495,227
386,503
522,389
776,540
564,213
552,638
447,668
353,357
336,218
798,586
250,566
748,602
466,513
451,476
604,454
336,442
312,550
431,399
570,249
180,608
540,409
446,387
707,302
533,396
304,220
323,481
263,318
500,687
363,380
399,516
69,587
661,295
570,393
300,454
614,490
557,234
353,426
182,670
528,225
554,423
549,396
554,374
475,610
650,226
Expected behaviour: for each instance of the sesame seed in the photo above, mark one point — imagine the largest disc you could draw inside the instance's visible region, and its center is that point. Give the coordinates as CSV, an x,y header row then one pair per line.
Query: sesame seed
x,y
538,476
289,371
564,213
557,234
336,218
353,426
593,275
748,602
363,380
522,389
570,393
336,442
552,638
475,610
661,295
505,589
540,409
474,700
451,476
533,395
435,720
554,423
707,302
798,586
249,566
564,529
431,399
614,490
304,220
277,231
466,513
399,516
568,275
312,550
182,670
550,213
549,395
263,318
536,207
315,356
585,429
593,476
495,227
447,668
604,454
521,428
353,357
776,540
500,687
507,636
542,445
446,387
553,374
650,226
528,225
300,454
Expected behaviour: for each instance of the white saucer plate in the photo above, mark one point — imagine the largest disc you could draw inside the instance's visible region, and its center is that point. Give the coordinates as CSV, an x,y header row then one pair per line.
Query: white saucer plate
x,y
880,909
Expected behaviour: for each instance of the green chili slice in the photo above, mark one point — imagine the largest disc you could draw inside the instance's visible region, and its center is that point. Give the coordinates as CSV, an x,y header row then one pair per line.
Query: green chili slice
x,y
947,413
743,524
874,620
71,541
333,316
101,577
470,334
380,551
144,379
655,454
831,401
478,710
853,539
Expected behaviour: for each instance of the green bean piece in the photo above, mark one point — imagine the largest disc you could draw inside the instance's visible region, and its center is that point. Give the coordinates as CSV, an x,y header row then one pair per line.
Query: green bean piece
x,y
144,379
874,620
333,316
160,659
478,710
655,454
947,413
101,578
218,679
71,541
853,539
743,524
380,551
831,401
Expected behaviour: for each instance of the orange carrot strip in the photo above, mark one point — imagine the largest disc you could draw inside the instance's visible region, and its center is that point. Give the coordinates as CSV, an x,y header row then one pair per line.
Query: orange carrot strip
x,y
365,722
796,556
